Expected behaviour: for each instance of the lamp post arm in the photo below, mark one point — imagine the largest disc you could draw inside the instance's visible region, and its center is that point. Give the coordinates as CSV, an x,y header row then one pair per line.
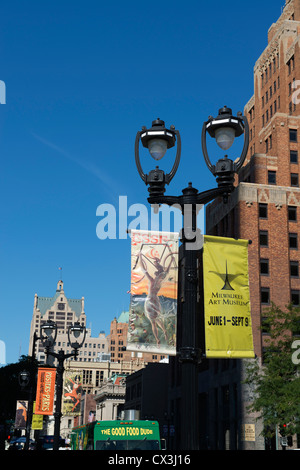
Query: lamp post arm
x,y
195,198
137,157
170,175
59,355
207,196
238,165
204,150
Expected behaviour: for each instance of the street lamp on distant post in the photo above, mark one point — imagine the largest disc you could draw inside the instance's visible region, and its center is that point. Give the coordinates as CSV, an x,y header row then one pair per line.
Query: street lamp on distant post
x,y
158,139
28,379
76,336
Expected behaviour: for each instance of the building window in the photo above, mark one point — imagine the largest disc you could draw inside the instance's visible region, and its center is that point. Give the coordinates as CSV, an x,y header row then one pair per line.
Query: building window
x,y
263,211
263,238
264,267
265,295
268,143
292,213
295,297
271,177
293,240
291,65
293,135
294,268
294,179
293,156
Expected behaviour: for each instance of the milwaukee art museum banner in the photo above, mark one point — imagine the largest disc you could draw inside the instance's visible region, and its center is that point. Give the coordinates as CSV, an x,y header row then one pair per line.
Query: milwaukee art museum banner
x,y
153,299
227,314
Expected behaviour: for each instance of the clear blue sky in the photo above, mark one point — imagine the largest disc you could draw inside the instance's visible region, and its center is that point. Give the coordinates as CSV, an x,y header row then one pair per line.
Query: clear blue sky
x,y
82,77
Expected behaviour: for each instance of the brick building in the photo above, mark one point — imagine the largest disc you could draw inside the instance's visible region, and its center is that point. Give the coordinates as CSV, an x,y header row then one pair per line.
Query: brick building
x,y
265,205
117,340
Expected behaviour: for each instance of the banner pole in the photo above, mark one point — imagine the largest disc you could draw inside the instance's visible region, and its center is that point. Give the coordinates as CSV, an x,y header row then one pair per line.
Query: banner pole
x,y
189,352
59,388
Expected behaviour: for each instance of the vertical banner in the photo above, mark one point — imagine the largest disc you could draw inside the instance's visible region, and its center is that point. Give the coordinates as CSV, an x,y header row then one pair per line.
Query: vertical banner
x,y
154,286
72,393
37,420
21,414
45,391
227,313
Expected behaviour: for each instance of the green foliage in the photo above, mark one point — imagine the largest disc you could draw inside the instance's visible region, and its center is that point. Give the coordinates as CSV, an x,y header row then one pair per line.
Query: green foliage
x,y
277,384
10,387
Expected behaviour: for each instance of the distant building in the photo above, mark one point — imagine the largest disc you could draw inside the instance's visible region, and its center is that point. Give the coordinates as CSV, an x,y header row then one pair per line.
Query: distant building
x,y
64,312
110,398
100,359
117,341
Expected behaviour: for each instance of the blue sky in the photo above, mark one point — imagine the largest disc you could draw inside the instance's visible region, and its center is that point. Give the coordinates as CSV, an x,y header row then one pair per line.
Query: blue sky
x,y
82,78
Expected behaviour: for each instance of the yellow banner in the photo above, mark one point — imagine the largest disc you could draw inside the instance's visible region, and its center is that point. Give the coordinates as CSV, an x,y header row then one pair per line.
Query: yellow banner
x,y
37,420
227,313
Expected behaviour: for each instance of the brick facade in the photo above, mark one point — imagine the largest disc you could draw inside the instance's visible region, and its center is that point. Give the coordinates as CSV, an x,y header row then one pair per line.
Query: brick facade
x,y
268,192
265,206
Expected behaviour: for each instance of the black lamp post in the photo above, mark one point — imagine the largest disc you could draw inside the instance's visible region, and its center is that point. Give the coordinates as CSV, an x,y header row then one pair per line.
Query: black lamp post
x,y
76,332
28,379
224,128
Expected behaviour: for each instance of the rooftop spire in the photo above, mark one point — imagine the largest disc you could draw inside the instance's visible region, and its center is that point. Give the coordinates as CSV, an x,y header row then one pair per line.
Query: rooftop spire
x,y
60,286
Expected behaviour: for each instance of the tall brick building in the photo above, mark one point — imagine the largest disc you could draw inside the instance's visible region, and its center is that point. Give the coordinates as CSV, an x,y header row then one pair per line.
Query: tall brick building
x,y
265,205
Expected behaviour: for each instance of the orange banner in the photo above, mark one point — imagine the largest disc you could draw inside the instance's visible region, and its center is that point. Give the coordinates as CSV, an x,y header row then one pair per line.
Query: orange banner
x,y
45,391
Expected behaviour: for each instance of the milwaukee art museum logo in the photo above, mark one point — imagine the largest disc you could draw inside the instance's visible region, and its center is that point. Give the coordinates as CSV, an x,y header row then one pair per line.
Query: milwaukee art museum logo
x,y
230,298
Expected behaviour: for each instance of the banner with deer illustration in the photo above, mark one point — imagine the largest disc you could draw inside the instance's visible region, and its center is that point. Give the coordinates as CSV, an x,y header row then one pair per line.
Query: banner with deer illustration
x,y
154,286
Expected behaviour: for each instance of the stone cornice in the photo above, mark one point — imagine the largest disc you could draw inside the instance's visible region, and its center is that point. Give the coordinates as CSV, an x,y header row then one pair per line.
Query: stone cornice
x,y
272,49
253,193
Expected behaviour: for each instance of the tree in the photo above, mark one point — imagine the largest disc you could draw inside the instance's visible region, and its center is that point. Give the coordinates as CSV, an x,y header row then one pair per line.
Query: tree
x,y
276,383
10,388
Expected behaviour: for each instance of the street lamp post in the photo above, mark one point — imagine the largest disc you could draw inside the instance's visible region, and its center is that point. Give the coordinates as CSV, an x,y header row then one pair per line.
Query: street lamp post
x,y
48,335
28,379
224,128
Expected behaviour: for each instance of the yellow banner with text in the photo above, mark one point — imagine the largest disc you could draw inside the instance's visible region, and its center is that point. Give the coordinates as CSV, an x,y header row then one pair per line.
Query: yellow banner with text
x,y
227,313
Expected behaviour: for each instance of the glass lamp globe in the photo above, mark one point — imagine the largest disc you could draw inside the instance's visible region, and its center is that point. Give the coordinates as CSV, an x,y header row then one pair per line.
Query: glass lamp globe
x,y
76,332
157,148
48,330
225,137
